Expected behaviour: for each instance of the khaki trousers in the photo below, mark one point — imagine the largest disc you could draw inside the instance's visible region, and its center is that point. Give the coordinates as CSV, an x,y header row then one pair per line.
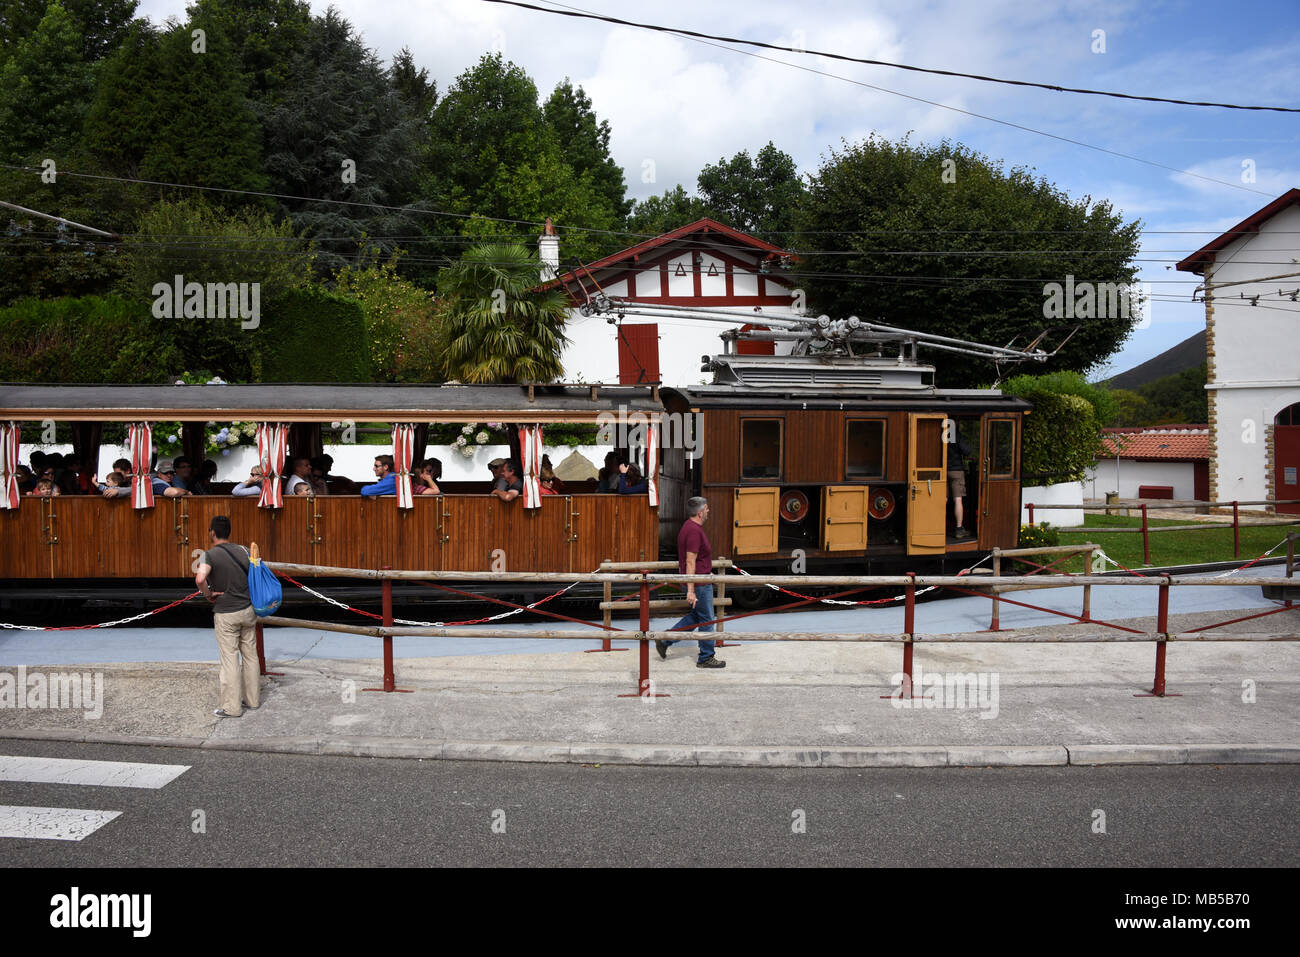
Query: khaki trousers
x,y
236,636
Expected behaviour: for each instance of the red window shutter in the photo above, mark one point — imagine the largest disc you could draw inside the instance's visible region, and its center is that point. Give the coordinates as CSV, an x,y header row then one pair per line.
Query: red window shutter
x,y
751,348
638,354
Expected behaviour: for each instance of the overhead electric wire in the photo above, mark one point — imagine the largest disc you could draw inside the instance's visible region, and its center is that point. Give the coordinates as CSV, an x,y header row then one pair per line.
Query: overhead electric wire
x,y
956,109
568,11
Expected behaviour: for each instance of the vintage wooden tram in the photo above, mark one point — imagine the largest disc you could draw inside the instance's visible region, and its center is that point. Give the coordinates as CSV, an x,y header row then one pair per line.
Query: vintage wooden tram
x,y
831,462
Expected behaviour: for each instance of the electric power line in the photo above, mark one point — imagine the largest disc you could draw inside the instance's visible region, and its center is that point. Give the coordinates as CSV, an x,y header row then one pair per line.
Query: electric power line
x,y
568,11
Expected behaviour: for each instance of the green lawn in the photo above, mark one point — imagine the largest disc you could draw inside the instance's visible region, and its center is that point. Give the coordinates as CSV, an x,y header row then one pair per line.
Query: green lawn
x,y
1173,548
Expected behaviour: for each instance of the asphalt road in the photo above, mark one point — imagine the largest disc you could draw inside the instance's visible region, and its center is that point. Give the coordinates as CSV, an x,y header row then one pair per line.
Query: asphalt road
x,y
268,810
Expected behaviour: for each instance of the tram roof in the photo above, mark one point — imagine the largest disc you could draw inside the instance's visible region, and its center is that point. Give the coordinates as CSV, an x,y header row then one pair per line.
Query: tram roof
x,y
323,402
846,399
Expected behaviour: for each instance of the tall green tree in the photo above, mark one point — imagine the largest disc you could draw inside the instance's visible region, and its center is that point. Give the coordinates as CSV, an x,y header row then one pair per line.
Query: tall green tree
x,y
755,195
265,36
120,126
584,141
671,209
943,240
342,132
100,24
500,328
413,85
494,160
45,89
205,243
202,129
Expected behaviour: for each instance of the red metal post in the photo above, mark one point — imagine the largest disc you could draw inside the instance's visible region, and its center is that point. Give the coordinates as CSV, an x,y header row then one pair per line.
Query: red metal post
x,y
1162,627
261,655
1146,537
390,680
643,679
1030,506
995,624
909,626
1236,532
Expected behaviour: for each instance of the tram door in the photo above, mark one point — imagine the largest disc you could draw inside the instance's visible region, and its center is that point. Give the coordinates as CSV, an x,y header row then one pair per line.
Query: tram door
x,y
927,485
999,492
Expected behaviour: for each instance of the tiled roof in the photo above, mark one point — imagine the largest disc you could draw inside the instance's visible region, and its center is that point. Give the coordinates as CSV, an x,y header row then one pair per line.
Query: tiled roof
x,y
1173,443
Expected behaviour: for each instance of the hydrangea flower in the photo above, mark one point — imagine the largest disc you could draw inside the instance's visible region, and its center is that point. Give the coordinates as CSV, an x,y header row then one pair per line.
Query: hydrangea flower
x,y
481,438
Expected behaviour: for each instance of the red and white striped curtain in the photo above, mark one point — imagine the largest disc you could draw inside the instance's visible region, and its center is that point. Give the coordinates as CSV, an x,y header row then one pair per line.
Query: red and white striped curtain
x,y
272,446
140,437
652,463
10,432
530,447
403,452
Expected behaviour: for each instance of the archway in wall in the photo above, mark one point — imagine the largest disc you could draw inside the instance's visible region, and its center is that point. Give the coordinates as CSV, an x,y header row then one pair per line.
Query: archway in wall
x,y
1286,457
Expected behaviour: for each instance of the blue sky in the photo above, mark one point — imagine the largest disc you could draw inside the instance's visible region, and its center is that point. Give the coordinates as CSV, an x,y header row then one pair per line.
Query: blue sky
x,y
675,104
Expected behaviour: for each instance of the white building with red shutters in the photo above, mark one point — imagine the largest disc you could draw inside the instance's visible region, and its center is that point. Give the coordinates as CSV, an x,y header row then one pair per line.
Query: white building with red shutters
x,y
701,264
1251,285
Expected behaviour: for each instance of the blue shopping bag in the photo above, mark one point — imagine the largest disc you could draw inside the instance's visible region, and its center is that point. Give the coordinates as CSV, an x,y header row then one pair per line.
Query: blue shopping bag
x,y
263,587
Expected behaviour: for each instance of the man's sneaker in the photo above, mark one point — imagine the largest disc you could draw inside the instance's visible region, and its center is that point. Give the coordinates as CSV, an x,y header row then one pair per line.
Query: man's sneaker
x,y
961,533
662,648
251,707
224,714
712,662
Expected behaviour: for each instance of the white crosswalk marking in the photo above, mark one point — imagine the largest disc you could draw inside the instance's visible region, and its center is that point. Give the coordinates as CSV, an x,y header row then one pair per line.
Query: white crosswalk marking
x,y
51,823
110,774
66,823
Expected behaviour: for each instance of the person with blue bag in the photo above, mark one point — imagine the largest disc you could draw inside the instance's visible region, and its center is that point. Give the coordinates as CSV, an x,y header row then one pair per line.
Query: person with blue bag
x,y
235,581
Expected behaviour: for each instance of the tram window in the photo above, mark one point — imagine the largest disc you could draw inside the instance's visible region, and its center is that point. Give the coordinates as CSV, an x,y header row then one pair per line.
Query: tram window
x,y
1002,454
760,448
865,449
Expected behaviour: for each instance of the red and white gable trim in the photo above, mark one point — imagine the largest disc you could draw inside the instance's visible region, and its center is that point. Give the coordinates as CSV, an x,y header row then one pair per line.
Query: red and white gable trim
x,y
702,264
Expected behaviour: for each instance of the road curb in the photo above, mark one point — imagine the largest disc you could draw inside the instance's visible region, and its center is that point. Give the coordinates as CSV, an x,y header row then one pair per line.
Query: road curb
x,y
561,752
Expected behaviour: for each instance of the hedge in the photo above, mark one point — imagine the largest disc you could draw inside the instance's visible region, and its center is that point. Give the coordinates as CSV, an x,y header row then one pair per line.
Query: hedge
x,y
310,335
90,339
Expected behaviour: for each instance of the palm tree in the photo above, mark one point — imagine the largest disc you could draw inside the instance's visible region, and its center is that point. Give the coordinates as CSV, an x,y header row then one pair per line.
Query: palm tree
x,y
500,327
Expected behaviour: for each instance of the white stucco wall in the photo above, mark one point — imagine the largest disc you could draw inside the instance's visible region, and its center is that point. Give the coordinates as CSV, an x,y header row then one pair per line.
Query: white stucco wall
x,y
1257,351
1063,493
1102,479
592,352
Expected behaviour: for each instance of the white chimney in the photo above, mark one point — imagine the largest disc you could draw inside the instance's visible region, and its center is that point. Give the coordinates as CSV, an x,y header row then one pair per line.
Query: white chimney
x,y
548,249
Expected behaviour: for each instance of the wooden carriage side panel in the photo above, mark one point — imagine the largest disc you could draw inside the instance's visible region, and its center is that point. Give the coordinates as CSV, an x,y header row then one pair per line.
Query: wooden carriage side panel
x,y
470,531
721,451
814,447
718,526
636,529
896,447
533,539
595,528
340,531
23,552
100,538
78,527
385,535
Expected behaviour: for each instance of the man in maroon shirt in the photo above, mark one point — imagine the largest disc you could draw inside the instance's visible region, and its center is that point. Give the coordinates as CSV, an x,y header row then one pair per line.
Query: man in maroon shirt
x,y
695,557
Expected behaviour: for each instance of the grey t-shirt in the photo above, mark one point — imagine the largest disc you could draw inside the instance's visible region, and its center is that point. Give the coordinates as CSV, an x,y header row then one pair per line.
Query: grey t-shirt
x,y
229,577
